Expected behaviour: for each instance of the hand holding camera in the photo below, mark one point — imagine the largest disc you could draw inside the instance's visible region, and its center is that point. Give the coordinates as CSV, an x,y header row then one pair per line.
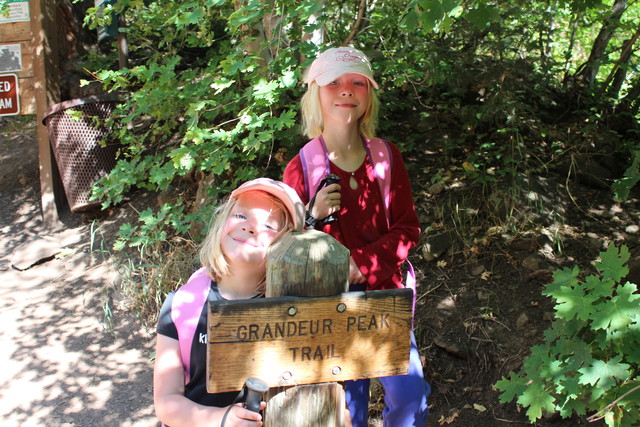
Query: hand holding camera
x,y
326,202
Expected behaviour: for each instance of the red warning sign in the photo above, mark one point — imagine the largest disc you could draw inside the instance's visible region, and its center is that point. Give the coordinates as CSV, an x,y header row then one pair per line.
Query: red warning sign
x,y
9,103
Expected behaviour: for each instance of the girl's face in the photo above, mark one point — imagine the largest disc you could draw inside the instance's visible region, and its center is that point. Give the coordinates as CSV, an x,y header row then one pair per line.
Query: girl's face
x,y
253,223
344,100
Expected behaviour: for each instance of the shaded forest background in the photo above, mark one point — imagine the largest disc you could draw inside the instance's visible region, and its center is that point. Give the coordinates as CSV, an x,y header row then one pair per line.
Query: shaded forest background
x,y
495,105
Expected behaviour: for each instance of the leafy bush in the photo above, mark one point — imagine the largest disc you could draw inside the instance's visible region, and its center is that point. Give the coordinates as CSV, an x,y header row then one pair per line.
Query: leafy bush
x,y
589,360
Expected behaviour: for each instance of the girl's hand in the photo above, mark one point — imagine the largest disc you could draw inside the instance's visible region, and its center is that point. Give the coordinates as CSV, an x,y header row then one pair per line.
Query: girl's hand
x,y
355,275
327,201
241,417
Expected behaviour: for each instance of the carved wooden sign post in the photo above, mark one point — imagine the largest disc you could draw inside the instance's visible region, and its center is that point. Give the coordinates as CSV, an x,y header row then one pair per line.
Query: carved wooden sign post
x,y
308,331
290,340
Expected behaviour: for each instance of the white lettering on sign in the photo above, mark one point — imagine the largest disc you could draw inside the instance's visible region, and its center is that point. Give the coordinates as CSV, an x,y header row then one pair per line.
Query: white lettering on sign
x,y
9,101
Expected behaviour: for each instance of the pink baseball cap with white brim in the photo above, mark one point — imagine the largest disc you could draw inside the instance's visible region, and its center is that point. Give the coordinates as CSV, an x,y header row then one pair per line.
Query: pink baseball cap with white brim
x,y
280,190
334,62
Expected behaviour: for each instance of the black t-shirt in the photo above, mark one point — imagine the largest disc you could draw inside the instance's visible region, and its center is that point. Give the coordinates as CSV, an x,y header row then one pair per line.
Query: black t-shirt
x,y
196,389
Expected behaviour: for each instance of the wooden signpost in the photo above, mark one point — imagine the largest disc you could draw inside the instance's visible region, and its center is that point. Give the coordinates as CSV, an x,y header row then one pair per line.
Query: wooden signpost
x,y
293,340
29,79
312,340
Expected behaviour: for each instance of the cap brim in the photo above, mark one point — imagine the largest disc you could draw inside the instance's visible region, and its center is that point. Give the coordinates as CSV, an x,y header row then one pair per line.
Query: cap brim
x,y
284,193
326,78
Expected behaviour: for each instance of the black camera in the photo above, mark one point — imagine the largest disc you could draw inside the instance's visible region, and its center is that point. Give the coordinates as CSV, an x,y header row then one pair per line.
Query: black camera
x,y
312,221
329,179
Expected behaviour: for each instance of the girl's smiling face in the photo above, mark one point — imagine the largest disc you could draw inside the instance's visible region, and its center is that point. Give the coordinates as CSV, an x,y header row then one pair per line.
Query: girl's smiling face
x,y
345,99
252,225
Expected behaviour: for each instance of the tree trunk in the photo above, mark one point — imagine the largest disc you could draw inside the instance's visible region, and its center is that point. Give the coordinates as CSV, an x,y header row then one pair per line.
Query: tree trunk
x,y
619,71
589,70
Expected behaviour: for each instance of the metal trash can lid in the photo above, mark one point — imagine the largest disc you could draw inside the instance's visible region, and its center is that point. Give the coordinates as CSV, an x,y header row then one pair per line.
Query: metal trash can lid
x,y
77,102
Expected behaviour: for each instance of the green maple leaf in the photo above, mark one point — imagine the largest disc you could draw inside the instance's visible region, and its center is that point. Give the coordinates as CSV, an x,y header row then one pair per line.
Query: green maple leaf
x,y
537,399
511,387
612,263
572,302
604,373
569,387
572,391
573,405
631,342
562,278
552,370
599,288
619,311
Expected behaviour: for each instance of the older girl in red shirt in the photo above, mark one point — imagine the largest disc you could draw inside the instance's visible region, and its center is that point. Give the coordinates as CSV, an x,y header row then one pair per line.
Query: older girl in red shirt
x,y
339,112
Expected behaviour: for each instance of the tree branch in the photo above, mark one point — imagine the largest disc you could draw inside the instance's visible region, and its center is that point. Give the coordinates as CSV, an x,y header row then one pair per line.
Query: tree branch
x,y
356,26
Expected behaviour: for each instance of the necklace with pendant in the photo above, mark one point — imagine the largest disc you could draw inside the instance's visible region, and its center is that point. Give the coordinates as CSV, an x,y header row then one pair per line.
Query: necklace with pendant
x,y
352,181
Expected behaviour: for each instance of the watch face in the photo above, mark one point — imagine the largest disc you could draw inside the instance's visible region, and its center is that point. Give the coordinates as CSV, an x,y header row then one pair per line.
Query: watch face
x,y
257,384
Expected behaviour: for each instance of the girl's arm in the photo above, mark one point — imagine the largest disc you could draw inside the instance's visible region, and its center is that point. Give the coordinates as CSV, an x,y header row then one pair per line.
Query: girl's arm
x,y
173,408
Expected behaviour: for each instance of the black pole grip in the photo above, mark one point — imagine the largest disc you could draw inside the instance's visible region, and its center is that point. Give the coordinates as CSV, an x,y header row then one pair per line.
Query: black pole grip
x,y
255,388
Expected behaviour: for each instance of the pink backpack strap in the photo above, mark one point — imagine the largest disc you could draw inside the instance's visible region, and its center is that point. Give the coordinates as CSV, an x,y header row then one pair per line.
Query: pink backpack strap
x,y
186,307
315,164
381,161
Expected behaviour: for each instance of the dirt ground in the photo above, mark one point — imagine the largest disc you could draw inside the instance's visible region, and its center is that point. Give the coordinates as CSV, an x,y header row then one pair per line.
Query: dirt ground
x,y
62,364
479,311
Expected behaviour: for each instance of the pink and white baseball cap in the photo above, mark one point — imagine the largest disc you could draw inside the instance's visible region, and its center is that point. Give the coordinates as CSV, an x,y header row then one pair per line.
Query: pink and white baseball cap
x,y
334,62
282,191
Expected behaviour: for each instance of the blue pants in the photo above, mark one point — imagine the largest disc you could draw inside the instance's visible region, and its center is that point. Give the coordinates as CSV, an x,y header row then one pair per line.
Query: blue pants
x,y
405,396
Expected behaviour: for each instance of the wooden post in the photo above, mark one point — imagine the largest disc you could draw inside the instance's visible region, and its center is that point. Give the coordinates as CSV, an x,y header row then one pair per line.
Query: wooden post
x,y
301,345
307,263
30,34
47,93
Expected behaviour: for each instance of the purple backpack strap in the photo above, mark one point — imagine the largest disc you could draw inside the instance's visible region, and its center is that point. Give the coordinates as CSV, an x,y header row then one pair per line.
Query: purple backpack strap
x,y
186,307
315,164
381,161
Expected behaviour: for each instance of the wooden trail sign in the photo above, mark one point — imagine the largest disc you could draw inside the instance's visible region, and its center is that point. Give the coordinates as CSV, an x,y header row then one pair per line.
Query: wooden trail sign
x,y
289,340
308,334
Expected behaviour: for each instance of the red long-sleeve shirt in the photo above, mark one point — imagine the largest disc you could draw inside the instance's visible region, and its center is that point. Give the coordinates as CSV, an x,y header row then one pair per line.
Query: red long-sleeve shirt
x,y
378,250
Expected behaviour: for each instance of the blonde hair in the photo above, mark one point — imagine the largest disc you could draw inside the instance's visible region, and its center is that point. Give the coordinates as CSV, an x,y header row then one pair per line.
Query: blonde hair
x,y
313,123
211,255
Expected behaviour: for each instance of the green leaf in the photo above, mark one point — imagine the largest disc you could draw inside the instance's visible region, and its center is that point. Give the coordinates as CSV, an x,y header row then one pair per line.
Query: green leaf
x,y
619,311
288,79
612,263
604,373
483,16
599,288
537,399
265,90
562,278
572,302
623,186
511,387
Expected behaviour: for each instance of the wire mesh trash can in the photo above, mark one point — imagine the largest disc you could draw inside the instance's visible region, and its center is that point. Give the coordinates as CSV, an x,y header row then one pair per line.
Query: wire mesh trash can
x,y
76,128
